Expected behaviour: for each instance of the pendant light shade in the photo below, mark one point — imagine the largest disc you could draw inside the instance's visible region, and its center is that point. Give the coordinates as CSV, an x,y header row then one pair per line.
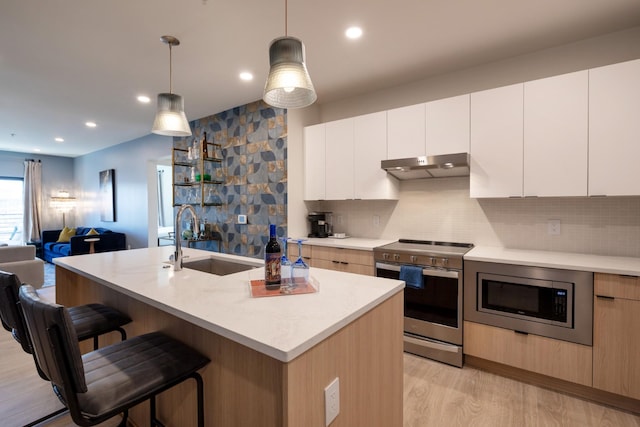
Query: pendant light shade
x,y
170,118
288,84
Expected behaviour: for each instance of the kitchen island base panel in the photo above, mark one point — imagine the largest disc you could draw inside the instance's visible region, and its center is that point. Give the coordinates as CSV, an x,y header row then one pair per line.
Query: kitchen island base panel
x,y
244,387
555,384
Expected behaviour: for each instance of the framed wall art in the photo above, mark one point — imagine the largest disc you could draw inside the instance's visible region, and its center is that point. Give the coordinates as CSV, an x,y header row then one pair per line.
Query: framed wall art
x,y
107,195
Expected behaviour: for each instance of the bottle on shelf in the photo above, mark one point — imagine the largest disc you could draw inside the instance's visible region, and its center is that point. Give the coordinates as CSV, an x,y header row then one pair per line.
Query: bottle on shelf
x,y
204,146
272,255
195,152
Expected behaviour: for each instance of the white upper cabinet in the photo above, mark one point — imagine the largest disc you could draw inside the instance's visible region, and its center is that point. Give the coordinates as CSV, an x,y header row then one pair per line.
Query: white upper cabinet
x,y
496,142
555,135
339,171
614,129
314,162
370,143
447,126
406,132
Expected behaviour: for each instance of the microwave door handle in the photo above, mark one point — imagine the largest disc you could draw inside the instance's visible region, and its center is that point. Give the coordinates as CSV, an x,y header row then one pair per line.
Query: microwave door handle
x,y
425,271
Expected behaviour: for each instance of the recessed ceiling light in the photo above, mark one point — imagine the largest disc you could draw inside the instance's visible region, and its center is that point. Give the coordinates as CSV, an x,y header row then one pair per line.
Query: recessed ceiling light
x,y
91,124
246,76
353,32
58,139
144,99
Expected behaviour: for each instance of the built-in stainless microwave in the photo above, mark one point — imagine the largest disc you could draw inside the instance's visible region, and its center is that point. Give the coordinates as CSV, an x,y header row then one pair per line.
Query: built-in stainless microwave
x,y
544,301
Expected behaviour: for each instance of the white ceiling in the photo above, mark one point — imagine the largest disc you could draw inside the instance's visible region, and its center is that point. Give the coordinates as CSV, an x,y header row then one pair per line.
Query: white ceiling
x,y
64,62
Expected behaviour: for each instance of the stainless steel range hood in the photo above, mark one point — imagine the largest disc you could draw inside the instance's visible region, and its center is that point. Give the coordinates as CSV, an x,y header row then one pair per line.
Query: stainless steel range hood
x,y
441,166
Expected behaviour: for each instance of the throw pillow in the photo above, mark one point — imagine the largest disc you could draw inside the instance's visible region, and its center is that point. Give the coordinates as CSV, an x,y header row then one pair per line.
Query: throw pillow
x,y
66,234
92,232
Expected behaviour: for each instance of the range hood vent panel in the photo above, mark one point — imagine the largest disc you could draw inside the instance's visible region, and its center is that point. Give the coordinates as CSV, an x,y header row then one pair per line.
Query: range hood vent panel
x,y
441,166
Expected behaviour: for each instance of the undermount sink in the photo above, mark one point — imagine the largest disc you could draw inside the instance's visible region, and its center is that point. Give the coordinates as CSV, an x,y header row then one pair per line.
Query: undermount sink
x,y
217,266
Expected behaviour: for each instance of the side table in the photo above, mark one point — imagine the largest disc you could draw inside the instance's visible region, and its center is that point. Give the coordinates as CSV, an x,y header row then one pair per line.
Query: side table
x,y
92,241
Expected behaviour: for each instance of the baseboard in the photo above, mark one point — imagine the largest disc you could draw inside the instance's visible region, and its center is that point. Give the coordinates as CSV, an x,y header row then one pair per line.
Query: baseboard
x,y
583,392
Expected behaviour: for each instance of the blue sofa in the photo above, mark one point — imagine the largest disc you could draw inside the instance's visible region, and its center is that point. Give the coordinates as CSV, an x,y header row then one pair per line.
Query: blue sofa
x,y
109,241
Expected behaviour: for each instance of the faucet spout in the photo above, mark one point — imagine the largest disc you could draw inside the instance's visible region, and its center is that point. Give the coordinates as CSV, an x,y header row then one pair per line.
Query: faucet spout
x,y
177,255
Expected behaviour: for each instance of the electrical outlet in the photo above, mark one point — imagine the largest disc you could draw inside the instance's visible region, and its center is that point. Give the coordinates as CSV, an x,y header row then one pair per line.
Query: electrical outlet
x,y
376,220
553,227
339,219
242,219
332,401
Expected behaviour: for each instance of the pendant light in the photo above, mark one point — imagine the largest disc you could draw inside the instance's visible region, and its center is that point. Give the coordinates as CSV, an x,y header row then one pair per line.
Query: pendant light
x,y
288,84
170,118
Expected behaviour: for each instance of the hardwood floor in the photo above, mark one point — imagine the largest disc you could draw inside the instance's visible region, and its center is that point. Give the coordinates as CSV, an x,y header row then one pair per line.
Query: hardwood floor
x,y
434,395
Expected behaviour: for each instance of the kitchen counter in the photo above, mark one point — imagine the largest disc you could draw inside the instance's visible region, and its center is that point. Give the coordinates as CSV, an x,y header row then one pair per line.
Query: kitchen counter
x,y
563,260
347,243
273,355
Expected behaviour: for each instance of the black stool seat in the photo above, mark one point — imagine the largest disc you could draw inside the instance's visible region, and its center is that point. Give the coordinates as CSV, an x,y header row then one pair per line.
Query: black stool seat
x,y
108,381
96,319
117,375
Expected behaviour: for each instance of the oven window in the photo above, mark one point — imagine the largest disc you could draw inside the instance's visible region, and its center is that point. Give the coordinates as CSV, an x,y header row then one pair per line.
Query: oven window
x,y
436,303
534,301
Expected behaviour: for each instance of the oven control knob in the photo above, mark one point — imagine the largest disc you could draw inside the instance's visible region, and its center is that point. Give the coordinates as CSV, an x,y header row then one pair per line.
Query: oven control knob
x,y
432,261
385,256
445,261
396,257
414,258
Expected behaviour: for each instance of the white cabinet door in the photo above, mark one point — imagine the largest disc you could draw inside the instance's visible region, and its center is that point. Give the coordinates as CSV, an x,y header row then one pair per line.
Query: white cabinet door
x,y
496,142
447,126
614,129
555,135
370,143
339,162
406,132
314,162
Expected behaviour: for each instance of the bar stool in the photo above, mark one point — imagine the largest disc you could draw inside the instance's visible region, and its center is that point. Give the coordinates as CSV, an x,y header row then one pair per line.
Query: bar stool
x,y
106,382
89,321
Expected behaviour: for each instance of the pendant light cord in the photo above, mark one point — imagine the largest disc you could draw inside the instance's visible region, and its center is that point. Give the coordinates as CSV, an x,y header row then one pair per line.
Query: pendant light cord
x,y
286,19
170,71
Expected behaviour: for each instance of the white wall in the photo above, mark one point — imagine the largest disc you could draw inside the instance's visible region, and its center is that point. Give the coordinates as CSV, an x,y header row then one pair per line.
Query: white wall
x,y
442,210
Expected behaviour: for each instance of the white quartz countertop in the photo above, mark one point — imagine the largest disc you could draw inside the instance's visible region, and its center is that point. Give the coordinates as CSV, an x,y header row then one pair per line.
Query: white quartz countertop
x,y
564,260
347,243
282,327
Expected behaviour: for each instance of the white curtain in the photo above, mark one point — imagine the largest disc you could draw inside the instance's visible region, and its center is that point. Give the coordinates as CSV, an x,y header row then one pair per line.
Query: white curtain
x,y
32,200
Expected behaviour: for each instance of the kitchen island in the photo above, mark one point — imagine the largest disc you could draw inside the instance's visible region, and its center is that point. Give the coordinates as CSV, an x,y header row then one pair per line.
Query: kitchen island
x,y
271,357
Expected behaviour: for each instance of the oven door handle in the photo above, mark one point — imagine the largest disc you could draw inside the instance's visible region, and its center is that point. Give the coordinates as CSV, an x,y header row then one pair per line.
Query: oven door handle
x,y
425,271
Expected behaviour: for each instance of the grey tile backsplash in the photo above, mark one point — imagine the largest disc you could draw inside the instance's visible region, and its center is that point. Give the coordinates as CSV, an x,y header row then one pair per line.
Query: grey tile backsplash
x,y
442,210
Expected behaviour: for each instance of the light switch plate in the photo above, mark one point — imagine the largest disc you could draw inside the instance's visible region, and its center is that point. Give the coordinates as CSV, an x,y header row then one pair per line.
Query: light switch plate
x,y
242,219
553,227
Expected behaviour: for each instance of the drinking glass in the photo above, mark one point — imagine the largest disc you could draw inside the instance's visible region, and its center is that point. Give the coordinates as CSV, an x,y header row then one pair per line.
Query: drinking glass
x,y
299,269
285,264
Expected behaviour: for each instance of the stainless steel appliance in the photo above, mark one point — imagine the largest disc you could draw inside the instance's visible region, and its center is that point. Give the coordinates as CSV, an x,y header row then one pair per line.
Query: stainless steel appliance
x,y
320,224
440,166
432,311
550,302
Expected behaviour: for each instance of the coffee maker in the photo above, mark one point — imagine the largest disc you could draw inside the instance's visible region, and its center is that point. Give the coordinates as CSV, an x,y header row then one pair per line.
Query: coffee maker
x,y
320,226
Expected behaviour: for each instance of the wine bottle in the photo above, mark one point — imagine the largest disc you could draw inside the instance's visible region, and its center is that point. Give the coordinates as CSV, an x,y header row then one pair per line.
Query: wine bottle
x,y
272,254
204,146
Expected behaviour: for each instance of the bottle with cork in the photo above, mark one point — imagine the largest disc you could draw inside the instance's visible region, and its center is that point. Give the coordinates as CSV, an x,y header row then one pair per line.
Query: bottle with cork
x,y
205,150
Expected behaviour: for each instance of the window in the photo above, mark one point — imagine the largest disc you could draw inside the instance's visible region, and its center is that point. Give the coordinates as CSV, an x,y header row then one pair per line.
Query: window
x,y
11,208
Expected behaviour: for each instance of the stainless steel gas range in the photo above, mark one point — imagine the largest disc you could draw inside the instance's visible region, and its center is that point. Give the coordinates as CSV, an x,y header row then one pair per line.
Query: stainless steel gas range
x,y
432,297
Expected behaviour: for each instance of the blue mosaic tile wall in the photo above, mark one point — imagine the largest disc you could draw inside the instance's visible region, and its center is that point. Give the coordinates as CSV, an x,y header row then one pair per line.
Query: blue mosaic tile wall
x,y
253,141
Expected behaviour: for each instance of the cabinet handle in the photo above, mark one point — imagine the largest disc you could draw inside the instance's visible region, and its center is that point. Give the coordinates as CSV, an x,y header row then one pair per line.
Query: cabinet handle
x,y
345,263
521,332
605,297
627,276
335,262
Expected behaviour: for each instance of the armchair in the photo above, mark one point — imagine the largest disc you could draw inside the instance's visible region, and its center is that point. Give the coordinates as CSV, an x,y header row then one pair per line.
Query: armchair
x,y
22,261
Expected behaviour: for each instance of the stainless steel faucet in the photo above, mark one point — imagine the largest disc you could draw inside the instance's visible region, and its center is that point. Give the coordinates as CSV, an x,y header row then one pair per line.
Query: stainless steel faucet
x,y
177,255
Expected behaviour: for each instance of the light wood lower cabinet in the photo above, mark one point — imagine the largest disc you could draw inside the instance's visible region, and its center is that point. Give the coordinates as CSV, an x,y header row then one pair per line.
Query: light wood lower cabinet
x,y
546,356
341,259
616,334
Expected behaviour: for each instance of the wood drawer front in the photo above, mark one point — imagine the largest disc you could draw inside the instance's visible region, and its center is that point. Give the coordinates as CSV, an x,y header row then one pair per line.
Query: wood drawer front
x,y
292,252
351,256
614,285
366,270
546,356
616,346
